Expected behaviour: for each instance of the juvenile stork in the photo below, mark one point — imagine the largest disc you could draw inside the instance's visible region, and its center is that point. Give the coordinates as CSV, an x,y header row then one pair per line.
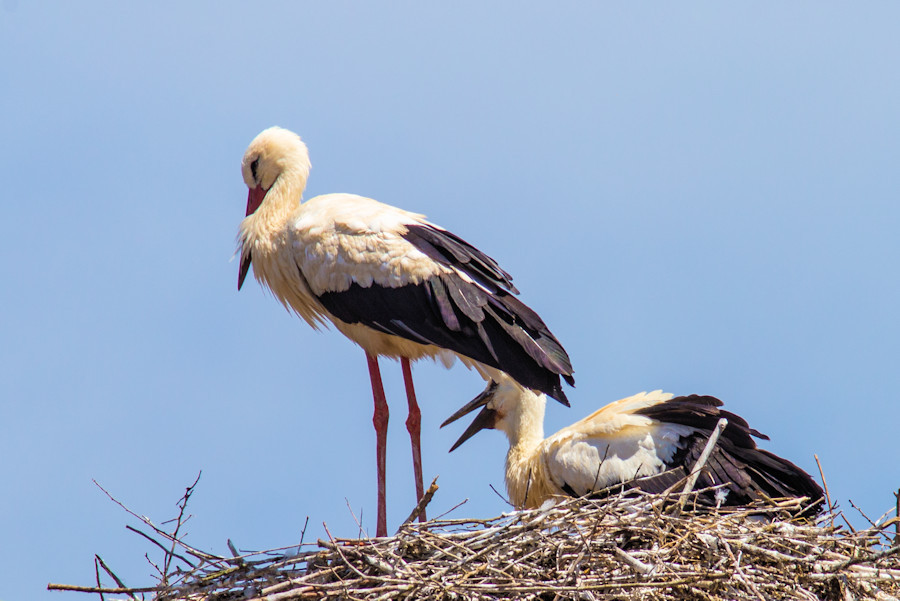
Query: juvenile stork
x,y
650,440
393,283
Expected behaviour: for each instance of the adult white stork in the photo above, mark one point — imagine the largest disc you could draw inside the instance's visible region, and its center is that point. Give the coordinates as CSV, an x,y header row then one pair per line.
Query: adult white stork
x,y
393,283
631,441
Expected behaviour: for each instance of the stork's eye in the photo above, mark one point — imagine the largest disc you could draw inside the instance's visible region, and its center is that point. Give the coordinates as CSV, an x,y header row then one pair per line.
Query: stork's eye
x,y
253,166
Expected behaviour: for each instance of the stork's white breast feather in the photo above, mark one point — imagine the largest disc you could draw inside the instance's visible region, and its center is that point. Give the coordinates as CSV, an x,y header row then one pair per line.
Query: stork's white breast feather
x,y
637,446
610,442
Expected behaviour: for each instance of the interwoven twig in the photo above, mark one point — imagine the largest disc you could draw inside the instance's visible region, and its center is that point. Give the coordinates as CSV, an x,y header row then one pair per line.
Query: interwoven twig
x,y
629,545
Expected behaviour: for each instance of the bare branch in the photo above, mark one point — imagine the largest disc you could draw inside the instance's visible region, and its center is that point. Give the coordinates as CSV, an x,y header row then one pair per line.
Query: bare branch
x,y
423,502
704,456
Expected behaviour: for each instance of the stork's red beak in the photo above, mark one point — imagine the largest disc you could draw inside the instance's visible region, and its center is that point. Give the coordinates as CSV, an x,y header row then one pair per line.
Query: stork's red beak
x,y
254,199
245,267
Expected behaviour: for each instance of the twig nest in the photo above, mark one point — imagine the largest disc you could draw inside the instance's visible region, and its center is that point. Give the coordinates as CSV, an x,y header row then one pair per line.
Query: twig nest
x,y
627,546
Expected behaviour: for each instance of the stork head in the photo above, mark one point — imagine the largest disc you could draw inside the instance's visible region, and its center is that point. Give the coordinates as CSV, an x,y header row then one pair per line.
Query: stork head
x,y
275,155
505,406
274,151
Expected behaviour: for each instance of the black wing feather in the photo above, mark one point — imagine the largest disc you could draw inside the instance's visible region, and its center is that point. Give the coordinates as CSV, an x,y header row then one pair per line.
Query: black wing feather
x,y
750,472
449,249
460,316
482,321
442,299
466,297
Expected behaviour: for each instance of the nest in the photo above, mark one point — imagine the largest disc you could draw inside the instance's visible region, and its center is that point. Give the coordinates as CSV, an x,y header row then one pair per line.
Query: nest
x,y
628,545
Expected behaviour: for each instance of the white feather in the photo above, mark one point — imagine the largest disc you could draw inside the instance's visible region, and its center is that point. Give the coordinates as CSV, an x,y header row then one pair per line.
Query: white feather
x,y
609,446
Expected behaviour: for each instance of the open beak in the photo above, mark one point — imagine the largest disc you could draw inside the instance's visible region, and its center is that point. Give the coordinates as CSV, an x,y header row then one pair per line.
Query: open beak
x,y
486,418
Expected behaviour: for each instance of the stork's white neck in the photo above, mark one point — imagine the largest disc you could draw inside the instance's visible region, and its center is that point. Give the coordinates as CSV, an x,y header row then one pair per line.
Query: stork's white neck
x,y
522,413
267,236
279,205
522,420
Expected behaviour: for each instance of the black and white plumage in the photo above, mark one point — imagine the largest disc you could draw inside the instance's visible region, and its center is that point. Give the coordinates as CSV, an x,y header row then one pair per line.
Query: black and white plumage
x,y
393,283
469,310
649,440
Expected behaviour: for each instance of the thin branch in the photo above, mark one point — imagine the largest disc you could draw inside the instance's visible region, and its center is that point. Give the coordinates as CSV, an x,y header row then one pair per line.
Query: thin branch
x,y
454,508
897,523
234,552
701,461
870,559
496,492
355,519
159,544
862,513
825,486
188,549
423,502
179,522
97,573
98,589
111,574
303,532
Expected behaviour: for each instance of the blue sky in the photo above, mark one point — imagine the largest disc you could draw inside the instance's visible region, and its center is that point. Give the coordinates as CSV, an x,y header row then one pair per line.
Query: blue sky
x,y
696,197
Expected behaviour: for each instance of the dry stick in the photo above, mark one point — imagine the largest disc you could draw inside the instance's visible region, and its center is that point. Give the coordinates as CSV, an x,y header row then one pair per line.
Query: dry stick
x,y
100,589
423,502
825,486
182,505
862,513
452,509
111,574
846,521
701,461
303,532
97,573
527,489
234,552
337,548
634,562
155,567
824,483
189,549
739,573
873,558
497,492
159,544
897,524
355,519
585,542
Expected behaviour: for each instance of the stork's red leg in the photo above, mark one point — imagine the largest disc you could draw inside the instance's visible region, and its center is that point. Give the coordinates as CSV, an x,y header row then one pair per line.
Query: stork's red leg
x,y
414,427
380,419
